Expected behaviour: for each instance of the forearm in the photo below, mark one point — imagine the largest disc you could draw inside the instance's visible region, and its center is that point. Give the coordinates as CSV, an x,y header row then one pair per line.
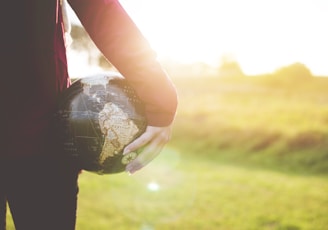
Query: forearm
x,y
121,42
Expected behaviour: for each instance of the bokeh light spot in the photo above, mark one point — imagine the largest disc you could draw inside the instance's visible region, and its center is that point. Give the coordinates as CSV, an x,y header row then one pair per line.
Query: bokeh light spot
x,y
153,186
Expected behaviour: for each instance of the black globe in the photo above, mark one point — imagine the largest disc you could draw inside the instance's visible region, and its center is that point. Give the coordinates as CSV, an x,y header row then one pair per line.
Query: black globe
x,y
98,116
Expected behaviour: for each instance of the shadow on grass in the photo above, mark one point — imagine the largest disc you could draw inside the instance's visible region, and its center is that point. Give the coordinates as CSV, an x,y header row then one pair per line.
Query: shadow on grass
x,y
304,153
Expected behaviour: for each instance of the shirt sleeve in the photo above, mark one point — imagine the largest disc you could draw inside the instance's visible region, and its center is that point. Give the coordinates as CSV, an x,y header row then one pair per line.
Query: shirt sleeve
x,y
122,43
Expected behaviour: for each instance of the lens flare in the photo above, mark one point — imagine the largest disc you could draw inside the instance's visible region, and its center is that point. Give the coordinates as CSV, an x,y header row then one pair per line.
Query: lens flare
x,y
161,192
153,186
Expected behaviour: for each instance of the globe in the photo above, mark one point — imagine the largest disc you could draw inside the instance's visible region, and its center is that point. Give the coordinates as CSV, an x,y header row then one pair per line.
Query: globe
x,y
98,116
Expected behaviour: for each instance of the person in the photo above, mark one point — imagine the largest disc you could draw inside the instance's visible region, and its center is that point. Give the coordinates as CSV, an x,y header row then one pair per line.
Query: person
x,y
38,183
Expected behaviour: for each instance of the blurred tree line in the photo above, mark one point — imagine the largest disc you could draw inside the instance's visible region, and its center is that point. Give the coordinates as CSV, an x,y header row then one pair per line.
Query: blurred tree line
x,y
228,66
294,71
83,43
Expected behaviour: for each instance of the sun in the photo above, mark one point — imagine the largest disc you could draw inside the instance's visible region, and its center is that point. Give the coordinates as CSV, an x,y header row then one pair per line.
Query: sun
x,y
177,29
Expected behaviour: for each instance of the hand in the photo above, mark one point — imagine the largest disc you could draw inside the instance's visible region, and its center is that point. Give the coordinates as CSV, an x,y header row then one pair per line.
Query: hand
x,y
152,142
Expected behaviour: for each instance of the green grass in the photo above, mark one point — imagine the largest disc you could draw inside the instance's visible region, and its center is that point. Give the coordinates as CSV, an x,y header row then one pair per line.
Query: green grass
x,y
253,120
198,193
246,154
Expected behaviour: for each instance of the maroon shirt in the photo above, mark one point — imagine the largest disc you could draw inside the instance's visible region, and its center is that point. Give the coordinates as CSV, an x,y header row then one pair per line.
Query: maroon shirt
x,y
33,61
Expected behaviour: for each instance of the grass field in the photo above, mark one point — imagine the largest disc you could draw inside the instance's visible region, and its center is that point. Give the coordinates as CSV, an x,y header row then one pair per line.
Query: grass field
x,y
246,154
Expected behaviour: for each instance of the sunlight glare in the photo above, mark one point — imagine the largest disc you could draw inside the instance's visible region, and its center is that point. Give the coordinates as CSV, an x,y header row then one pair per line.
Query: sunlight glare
x,y
262,35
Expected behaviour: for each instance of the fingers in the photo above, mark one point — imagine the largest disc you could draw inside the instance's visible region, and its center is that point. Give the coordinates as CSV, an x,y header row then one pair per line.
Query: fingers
x,y
138,143
151,142
148,154
161,134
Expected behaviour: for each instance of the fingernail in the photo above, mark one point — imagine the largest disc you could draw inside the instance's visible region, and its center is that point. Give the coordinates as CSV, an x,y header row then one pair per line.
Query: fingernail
x,y
128,168
126,151
130,171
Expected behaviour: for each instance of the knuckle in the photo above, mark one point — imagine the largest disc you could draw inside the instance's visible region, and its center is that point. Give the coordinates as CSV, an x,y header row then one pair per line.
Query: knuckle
x,y
165,138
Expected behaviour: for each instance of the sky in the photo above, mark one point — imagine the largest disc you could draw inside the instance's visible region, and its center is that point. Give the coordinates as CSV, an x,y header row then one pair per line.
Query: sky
x,y
262,35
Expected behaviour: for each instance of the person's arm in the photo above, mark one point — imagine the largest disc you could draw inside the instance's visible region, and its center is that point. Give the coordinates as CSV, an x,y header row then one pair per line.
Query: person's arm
x,y
121,42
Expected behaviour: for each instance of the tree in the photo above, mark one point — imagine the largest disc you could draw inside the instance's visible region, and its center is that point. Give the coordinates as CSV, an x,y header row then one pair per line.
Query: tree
x,y
229,67
104,63
81,39
83,43
294,71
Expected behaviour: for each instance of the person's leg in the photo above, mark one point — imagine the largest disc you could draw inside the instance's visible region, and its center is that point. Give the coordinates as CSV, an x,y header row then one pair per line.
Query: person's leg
x,y
3,204
43,193
3,208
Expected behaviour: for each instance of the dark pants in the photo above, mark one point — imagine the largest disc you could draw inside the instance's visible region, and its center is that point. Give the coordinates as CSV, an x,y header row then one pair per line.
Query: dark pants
x,y
41,192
